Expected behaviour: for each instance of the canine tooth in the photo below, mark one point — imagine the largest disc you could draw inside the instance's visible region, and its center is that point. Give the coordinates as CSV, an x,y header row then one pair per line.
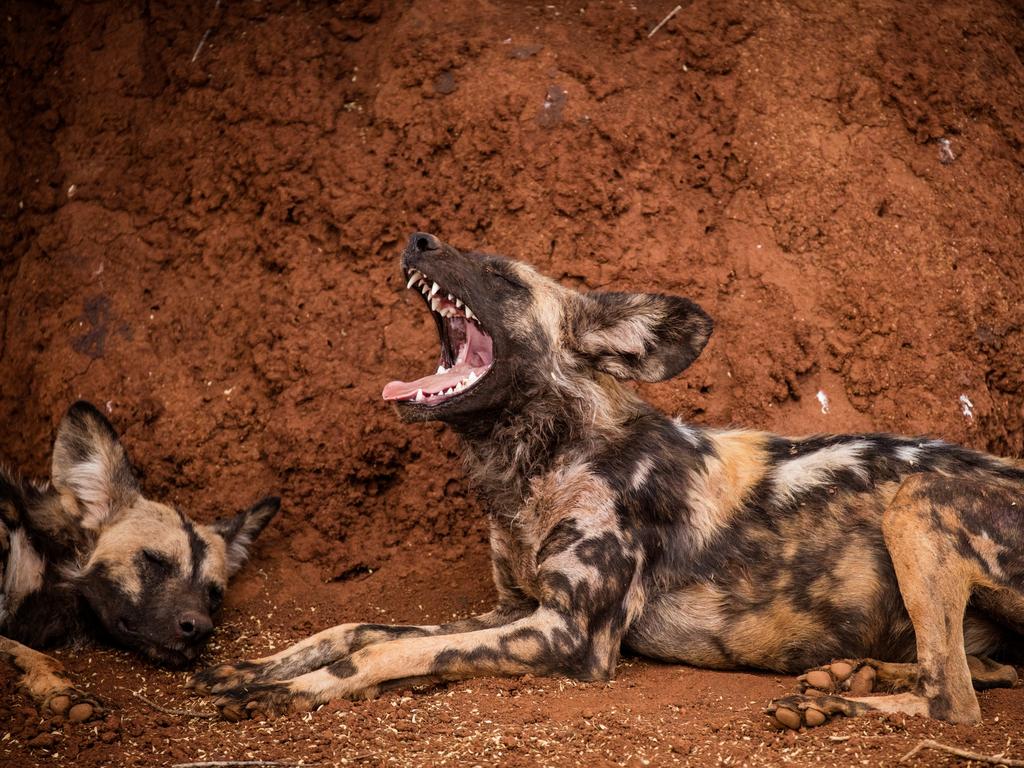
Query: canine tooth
x,y
458,303
469,314
419,395
434,289
412,280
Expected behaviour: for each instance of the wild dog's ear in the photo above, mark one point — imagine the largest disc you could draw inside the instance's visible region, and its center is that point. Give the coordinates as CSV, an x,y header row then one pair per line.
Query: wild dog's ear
x,y
90,464
239,531
640,336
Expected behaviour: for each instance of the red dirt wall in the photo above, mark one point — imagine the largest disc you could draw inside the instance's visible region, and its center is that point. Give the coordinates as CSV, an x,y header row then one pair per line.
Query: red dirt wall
x,y
204,240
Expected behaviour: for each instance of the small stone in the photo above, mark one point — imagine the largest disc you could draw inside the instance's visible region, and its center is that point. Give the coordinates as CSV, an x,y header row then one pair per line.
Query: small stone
x,y
445,83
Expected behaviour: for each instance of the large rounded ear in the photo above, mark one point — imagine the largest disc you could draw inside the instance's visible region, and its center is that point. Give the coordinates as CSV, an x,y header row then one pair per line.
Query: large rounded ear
x,y
239,531
640,336
91,466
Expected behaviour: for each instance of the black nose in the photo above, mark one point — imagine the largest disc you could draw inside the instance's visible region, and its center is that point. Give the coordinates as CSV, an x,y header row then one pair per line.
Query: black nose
x,y
194,626
424,243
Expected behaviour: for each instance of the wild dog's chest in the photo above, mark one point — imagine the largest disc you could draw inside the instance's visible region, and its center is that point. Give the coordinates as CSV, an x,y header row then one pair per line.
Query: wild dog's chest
x,y
569,508
514,554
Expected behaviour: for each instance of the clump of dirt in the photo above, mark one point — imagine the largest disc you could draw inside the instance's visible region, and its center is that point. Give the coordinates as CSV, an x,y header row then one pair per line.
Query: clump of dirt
x,y
200,216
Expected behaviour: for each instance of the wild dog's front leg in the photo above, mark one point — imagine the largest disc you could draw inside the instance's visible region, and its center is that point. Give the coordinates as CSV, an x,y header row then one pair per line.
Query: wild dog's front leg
x,y
333,644
589,587
43,678
545,642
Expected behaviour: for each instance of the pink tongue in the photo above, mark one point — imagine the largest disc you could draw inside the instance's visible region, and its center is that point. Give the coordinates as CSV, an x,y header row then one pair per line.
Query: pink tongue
x,y
475,356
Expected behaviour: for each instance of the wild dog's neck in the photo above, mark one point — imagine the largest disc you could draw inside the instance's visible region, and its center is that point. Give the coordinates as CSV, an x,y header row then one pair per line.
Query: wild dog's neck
x,y
503,453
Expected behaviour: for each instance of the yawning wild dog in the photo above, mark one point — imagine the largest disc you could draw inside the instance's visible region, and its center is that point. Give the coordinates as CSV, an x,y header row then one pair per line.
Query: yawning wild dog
x,y
613,525
87,555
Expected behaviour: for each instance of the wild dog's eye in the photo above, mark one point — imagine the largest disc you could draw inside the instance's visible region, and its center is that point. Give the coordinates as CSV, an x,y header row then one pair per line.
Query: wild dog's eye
x,y
156,559
215,595
507,278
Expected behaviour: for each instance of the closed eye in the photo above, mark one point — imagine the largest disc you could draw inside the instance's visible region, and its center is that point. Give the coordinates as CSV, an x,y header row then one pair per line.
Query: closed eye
x,y
156,559
507,278
216,596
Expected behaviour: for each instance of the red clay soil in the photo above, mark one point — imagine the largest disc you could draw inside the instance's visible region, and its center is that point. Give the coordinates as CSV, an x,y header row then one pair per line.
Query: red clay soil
x,y
200,216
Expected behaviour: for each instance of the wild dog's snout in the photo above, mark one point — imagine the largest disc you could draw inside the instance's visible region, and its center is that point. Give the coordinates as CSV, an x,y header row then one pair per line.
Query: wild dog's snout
x,y
423,242
194,627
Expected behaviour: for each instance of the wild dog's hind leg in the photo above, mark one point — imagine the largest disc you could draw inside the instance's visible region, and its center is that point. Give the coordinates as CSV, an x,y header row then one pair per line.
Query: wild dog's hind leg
x,y
43,678
945,538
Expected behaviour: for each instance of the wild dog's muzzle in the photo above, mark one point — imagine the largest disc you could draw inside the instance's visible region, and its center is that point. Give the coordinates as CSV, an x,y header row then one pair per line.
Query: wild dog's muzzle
x,y
467,350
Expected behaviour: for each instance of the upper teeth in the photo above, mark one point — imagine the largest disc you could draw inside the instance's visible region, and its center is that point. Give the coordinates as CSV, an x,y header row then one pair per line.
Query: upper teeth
x,y
430,289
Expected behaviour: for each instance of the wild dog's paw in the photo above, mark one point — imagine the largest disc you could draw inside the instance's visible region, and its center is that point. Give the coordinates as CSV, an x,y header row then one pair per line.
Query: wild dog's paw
x,y
262,701
795,711
76,706
223,677
854,676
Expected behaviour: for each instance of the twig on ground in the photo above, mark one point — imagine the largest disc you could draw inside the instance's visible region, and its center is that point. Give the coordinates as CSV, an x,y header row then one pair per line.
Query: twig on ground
x,y
967,755
171,711
251,763
665,21
206,34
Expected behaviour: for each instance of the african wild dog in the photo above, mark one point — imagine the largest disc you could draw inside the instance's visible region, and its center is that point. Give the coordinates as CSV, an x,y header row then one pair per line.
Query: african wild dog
x,y
613,525
87,555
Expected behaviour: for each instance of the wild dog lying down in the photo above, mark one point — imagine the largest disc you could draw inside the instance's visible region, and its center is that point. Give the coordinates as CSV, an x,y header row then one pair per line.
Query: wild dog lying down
x,y
612,524
87,555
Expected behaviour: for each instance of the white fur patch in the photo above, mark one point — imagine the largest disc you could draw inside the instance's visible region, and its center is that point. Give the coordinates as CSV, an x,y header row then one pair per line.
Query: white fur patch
x,y
641,472
908,454
802,473
688,433
24,569
89,482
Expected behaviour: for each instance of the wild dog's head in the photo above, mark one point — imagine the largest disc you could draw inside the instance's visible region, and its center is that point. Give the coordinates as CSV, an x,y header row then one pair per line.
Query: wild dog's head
x,y
153,578
508,335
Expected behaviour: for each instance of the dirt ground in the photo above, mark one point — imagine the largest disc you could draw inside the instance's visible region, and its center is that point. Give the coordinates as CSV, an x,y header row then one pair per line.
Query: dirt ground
x,y
200,216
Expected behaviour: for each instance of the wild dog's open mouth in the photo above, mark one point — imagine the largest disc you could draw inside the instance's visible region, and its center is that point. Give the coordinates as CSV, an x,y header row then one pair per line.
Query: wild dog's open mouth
x,y
467,351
